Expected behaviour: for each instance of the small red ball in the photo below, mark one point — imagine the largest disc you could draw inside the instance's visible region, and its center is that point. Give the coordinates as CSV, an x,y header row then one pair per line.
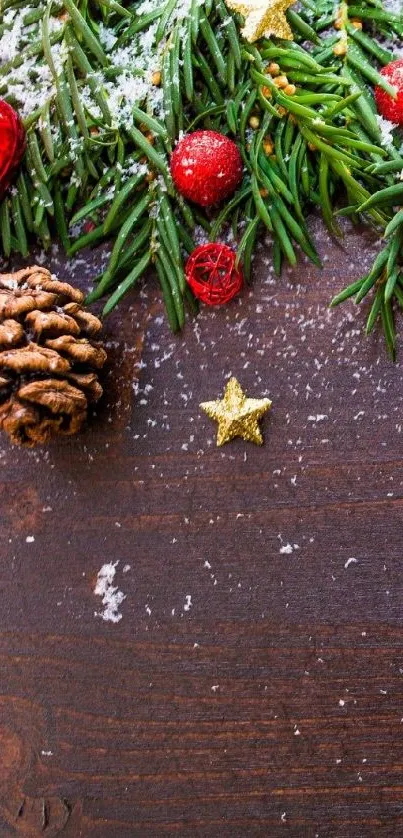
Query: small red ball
x,y
88,226
206,167
212,274
388,107
12,144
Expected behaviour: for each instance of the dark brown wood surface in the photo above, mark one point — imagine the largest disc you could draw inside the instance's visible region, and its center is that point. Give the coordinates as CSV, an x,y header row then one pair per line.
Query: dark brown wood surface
x,y
253,686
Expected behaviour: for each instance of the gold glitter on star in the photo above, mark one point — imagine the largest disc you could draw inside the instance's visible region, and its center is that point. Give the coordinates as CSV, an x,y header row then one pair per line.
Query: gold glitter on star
x,y
237,415
263,18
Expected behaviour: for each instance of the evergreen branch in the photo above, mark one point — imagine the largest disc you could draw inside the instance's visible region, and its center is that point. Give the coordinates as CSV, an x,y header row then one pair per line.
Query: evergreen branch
x,y
111,87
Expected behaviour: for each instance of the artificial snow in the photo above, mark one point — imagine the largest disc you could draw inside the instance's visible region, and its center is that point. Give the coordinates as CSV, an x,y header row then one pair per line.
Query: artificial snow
x,y
112,598
32,84
386,128
350,561
188,604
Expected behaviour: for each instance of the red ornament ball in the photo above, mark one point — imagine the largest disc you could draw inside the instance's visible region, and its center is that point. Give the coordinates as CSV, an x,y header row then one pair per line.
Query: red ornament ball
x,y
389,107
212,274
12,144
206,167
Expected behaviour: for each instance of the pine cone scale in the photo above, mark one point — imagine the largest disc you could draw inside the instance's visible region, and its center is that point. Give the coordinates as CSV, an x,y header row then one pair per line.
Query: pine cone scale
x,y
54,286
89,324
89,383
49,362
57,396
11,333
54,322
16,420
81,351
12,305
33,358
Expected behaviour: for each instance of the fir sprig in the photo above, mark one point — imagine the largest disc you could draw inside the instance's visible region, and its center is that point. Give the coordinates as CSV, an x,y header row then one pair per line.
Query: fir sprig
x,y
302,112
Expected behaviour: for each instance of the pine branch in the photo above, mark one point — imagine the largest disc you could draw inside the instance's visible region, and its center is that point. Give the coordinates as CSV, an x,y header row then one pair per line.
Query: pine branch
x,y
108,89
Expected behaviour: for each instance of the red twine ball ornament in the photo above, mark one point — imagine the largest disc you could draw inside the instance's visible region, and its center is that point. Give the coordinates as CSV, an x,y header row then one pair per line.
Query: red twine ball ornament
x,y
12,144
206,167
212,274
389,107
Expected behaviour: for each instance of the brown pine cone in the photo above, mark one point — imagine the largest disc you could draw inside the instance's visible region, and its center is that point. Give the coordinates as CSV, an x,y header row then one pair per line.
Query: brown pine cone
x,y
49,360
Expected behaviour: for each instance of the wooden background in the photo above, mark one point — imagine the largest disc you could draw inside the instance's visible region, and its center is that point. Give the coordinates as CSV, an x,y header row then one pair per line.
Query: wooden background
x,y
271,705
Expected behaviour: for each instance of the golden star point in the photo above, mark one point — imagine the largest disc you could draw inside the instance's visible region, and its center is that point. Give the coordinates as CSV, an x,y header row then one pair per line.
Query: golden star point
x,y
237,415
263,18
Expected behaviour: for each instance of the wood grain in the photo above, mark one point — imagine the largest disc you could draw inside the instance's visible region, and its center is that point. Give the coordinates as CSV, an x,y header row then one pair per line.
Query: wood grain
x,y
272,704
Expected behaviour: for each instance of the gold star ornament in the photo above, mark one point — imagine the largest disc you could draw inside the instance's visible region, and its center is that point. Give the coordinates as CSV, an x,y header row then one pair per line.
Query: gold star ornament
x,y
263,18
237,415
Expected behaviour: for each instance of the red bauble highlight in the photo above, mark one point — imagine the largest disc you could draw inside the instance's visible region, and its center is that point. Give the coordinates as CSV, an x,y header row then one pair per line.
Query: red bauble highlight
x,y
388,107
12,144
212,274
206,167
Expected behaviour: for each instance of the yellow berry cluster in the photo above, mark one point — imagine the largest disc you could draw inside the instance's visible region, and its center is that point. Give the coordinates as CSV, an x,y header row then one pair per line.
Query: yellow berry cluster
x,y
340,21
280,79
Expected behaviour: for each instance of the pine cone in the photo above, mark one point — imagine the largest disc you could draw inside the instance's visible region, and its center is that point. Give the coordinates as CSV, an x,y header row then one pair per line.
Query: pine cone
x,y
49,360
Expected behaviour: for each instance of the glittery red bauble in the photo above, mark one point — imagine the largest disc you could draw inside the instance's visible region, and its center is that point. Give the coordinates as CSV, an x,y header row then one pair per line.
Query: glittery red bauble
x,y
212,274
12,144
206,167
390,108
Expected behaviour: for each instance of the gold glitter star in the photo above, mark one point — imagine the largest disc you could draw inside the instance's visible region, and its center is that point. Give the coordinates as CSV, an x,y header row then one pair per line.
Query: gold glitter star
x,y
263,18
237,415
